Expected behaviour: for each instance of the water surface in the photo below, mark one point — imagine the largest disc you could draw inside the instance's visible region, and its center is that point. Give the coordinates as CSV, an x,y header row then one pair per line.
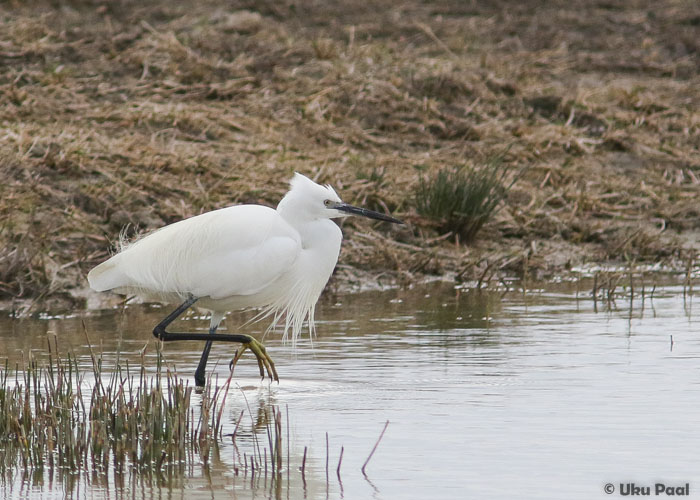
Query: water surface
x,y
541,394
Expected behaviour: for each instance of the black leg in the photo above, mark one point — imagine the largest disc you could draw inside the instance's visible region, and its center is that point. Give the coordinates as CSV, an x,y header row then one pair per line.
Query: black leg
x,y
159,330
160,333
199,377
264,360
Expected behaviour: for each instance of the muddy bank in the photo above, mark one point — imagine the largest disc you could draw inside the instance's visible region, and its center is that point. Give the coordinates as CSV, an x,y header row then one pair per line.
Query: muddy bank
x,y
133,114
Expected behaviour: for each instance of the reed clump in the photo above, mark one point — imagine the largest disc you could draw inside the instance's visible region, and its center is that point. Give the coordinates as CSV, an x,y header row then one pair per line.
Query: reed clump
x,y
462,199
86,424
128,419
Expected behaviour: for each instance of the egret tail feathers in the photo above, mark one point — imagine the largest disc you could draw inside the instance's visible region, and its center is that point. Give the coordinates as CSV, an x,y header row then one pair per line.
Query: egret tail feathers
x,y
107,275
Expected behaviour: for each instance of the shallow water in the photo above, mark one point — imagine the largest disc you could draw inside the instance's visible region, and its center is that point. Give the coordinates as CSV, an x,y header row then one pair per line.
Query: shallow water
x,y
541,394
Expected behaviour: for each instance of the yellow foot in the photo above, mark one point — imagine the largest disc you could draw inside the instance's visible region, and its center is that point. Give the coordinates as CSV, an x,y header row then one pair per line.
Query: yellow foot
x,y
264,360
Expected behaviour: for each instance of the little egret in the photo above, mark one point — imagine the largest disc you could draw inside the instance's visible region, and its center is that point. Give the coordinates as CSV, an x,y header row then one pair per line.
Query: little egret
x,y
238,257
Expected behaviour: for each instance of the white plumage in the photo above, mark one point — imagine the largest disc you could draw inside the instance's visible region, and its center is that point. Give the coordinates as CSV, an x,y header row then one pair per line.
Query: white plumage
x,y
238,257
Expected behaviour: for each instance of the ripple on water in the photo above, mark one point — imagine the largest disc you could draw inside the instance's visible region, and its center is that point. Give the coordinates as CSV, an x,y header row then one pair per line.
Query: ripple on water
x,y
488,395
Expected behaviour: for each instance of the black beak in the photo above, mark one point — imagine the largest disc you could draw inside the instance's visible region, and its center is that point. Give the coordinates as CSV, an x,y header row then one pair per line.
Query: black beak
x,y
344,207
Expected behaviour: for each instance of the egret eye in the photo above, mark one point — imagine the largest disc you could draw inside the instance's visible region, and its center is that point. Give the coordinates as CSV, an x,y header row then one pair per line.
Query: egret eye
x,y
327,203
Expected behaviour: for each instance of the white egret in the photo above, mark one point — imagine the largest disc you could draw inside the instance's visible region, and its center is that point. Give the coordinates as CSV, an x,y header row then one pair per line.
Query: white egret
x,y
238,257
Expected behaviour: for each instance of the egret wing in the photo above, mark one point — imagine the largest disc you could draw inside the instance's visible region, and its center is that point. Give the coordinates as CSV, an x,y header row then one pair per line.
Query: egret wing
x,y
244,271
233,251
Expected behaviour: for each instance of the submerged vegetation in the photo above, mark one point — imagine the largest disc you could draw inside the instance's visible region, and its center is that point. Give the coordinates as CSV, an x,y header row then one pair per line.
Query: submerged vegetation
x,y
131,420
83,421
62,417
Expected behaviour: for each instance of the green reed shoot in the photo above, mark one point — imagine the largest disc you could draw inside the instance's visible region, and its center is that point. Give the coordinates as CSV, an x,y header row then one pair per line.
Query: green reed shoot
x,y
462,199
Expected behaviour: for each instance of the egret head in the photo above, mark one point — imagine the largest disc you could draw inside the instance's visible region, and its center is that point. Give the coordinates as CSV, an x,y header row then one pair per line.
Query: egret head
x,y
307,200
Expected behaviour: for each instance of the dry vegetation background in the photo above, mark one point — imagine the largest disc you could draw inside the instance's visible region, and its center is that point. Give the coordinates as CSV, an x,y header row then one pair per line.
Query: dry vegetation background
x,y
142,113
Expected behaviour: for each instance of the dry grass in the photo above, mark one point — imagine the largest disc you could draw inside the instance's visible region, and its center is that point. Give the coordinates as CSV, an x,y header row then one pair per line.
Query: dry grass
x,y
142,113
